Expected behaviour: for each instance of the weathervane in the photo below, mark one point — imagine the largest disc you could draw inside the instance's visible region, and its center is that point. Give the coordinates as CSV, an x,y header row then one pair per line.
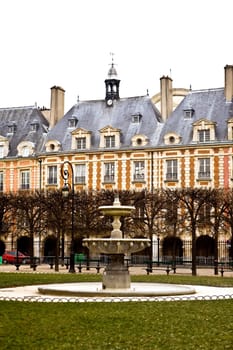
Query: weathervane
x,y
112,55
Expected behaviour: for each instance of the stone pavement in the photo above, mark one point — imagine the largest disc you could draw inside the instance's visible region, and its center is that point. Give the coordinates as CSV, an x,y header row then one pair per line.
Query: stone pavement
x,y
30,293
134,270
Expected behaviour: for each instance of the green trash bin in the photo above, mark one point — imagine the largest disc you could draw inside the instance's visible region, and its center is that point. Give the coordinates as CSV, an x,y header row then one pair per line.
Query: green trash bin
x,y
79,258
0,260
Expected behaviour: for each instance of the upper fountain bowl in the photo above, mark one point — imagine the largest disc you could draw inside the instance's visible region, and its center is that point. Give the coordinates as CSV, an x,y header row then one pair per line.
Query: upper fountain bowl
x,y
116,209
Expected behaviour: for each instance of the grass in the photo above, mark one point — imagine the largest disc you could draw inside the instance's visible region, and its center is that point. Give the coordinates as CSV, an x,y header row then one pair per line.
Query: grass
x,y
126,326
21,279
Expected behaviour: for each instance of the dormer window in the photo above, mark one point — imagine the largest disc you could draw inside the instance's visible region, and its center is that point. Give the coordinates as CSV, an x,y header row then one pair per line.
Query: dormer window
x,y
25,151
81,142
230,129
109,137
171,138
34,126
139,140
25,148
81,139
4,146
1,151
204,130
188,113
204,135
53,146
136,118
11,128
109,141
72,122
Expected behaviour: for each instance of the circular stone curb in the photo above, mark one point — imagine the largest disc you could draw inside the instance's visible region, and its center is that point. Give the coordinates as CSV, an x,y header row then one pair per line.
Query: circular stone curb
x,y
93,289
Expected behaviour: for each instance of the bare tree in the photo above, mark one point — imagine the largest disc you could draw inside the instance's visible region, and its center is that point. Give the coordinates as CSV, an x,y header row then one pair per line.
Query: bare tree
x,y
5,218
218,202
27,212
228,217
4,208
58,220
149,211
191,201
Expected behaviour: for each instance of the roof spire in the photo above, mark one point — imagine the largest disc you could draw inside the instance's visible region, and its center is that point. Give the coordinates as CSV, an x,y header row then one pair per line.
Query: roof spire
x,y
112,73
112,84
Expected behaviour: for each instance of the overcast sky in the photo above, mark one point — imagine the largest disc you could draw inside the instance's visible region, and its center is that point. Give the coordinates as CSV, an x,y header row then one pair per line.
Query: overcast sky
x,y
68,43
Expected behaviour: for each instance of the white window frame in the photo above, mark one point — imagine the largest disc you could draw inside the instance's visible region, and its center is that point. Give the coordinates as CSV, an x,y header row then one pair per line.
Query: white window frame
x,y
204,168
80,173
52,175
204,135
81,142
109,172
110,141
24,179
139,170
1,151
171,169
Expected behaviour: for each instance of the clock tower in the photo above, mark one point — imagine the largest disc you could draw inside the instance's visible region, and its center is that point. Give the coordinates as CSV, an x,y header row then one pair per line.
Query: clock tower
x,y
112,86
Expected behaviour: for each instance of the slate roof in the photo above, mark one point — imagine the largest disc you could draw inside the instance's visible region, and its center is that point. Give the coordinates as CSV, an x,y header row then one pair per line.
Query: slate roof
x,y
206,104
22,117
95,115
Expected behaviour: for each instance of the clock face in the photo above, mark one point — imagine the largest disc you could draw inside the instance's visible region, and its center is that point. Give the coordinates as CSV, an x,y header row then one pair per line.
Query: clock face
x,y
109,102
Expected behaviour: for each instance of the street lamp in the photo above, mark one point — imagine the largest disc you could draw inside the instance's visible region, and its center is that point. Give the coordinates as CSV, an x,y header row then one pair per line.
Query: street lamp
x,y
158,240
66,167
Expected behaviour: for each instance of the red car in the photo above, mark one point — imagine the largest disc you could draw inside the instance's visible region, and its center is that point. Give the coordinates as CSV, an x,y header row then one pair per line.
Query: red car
x,y
10,257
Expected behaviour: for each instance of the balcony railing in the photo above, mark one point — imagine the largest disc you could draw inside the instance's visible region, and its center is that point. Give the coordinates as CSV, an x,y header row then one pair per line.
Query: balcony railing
x,y
139,177
52,181
109,178
80,179
24,186
204,175
171,176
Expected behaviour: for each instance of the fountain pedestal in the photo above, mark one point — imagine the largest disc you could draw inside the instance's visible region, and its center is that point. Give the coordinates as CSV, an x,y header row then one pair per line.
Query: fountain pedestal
x,y
116,274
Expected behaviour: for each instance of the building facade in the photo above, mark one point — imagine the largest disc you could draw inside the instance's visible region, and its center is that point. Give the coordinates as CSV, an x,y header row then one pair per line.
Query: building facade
x,y
176,139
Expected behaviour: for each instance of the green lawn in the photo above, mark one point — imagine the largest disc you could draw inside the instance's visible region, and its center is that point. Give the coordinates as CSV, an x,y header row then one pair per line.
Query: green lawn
x,y
184,325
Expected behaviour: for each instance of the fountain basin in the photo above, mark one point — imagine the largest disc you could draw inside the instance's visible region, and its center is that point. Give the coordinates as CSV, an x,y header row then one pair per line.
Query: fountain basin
x,y
94,289
116,245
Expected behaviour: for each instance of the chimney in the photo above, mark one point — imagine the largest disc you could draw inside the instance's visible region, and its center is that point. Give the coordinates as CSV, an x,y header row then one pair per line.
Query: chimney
x,y
228,83
166,97
56,105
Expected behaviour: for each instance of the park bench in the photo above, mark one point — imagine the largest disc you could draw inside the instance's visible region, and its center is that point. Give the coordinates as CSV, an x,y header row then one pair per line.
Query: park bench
x,y
225,266
150,270
33,263
167,268
88,265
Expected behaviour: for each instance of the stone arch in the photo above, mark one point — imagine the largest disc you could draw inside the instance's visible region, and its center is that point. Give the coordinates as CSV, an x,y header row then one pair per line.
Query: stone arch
x,y
23,244
2,247
78,246
172,247
205,246
50,246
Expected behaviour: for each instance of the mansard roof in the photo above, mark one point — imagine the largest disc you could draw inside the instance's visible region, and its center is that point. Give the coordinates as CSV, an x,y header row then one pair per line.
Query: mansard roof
x,y
22,118
95,115
209,105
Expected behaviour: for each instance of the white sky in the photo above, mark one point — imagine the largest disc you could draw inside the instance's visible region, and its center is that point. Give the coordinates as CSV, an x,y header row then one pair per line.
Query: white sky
x,y
68,43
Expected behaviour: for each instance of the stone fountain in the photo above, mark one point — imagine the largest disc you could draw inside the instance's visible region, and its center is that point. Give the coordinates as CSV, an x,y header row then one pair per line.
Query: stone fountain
x,y
116,274
116,277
